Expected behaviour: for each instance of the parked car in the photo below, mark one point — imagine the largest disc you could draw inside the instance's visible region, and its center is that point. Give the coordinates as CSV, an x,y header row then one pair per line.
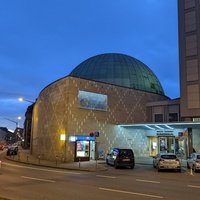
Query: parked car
x,y
2,146
166,161
12,150
193,161
121,158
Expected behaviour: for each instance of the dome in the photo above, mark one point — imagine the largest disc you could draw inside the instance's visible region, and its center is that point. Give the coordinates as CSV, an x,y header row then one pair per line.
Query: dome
x,y
119,69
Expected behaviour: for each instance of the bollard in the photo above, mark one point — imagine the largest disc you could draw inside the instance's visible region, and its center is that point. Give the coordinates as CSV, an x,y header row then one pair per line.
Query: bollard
x,y
79,163
39,159
18,156
191,171
63,159
0,164
96,164
56,161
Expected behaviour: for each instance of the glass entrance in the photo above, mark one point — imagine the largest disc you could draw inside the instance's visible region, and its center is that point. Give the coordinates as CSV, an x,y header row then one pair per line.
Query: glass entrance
x,y
166,144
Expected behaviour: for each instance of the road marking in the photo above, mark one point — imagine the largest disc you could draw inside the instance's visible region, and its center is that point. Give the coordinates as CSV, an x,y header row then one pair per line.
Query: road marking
x,y
42,169
38,179
133,193
194,186
147,181
102,176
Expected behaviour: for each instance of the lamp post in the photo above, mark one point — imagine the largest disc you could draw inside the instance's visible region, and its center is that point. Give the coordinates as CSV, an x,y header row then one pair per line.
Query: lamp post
x,y
27,100
27,134
16,122
16,129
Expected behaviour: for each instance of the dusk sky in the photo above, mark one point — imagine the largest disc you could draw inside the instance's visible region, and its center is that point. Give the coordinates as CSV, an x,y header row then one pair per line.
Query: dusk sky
x,y
43,40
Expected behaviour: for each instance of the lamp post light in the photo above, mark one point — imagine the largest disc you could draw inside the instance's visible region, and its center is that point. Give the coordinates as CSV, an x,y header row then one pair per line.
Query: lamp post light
x,y
27,100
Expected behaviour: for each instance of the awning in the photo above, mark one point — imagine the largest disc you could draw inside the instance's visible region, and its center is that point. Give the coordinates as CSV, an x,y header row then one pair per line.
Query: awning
x,y
163,126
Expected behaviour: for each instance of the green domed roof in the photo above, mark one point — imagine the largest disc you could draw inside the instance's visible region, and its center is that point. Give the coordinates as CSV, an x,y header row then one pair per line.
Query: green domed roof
x,y
119,69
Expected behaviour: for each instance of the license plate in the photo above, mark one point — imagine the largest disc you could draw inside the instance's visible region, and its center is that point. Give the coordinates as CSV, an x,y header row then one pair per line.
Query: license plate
x,y
126,159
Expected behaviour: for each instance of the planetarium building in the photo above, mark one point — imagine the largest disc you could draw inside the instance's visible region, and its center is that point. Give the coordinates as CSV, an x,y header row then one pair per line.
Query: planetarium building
x,y
109,100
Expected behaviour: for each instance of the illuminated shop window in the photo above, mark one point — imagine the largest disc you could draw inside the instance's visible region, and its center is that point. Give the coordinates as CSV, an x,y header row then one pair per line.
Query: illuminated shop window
x,y
82,148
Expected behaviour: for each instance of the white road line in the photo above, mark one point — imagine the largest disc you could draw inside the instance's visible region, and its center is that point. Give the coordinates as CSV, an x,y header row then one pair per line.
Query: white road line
x,y
102,176
41,169
38,179
132,193
147,181
194,186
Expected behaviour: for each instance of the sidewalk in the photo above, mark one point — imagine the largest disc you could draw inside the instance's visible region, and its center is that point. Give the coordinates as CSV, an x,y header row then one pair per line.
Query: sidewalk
x,y
24,156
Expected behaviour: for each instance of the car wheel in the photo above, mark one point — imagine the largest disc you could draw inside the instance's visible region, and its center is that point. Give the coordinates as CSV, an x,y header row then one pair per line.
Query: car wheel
x,y
188,166
107,162
132,166
154,165
158,168
115,165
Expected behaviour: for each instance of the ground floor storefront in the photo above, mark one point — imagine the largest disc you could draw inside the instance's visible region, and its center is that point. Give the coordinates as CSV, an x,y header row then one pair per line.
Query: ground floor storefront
x,y
179,138
146,140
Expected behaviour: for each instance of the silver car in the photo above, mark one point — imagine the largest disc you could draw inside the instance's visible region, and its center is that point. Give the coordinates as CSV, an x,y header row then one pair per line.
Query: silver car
x,y
194,162
166,161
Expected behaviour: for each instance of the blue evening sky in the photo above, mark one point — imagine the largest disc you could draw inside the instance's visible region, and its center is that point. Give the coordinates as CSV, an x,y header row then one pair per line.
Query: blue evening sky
x,y
43,40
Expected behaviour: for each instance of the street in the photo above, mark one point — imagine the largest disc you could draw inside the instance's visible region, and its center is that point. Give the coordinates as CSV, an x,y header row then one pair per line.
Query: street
x,y
22,182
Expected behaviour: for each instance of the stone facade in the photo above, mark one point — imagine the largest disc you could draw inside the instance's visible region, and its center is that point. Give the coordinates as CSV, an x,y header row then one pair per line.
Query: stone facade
x,y
57,111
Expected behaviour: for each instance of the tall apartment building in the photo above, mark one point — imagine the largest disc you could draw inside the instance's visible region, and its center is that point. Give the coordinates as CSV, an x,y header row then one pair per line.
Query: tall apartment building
x,y
189,58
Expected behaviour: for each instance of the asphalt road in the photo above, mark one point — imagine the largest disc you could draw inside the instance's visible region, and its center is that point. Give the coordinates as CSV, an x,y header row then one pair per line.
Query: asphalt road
x,y
25,182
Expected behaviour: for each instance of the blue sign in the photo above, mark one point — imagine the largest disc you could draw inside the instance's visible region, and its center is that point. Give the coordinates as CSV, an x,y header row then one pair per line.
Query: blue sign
x,y
74,138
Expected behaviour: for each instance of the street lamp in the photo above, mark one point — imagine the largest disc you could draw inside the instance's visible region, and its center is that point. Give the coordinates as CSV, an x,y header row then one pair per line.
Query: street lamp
x,y
22,99
16,122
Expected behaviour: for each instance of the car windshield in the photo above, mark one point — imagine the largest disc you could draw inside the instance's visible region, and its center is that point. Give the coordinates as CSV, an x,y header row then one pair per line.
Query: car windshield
x,y
126,152
168,156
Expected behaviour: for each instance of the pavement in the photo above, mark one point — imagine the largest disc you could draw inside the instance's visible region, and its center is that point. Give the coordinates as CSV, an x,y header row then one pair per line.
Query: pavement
x,y
25,157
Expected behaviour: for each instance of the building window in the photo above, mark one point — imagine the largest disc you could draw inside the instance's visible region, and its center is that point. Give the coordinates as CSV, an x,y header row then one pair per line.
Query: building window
x,y
158,117
173,117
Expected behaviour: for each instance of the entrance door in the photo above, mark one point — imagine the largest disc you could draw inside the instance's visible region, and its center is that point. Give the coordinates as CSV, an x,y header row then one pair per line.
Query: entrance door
x,y
166,144
92,150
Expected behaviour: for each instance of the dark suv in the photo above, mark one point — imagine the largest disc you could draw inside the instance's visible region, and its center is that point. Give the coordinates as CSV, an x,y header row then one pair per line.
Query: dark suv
x,y
121,158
